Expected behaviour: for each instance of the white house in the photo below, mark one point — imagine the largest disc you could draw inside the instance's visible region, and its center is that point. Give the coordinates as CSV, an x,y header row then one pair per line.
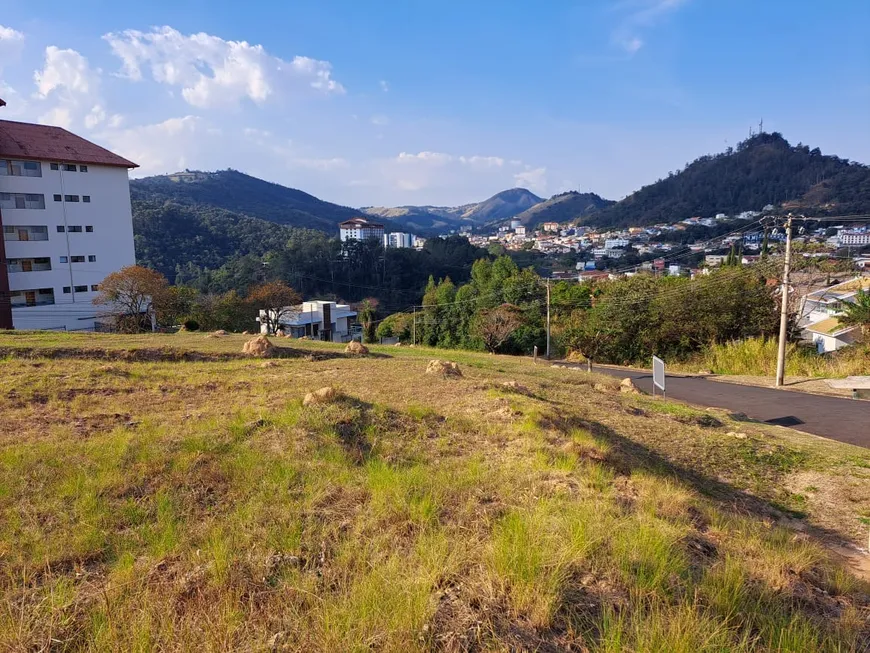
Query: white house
x,y
321,320
66,222
829,335
847,238
360,229
820,311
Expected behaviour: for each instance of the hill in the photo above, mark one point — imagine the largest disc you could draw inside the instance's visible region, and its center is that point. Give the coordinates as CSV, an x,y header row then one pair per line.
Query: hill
x,y
563,207
152,503
764,169
170,234
501,206
245,195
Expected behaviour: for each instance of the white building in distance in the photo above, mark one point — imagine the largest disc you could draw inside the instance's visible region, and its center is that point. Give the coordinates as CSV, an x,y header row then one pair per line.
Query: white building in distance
x,y
399,240
360,229
66,221
853,238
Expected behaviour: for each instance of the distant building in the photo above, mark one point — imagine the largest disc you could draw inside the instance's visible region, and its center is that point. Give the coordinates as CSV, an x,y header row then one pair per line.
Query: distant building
x,y
515,224
715,259
550,226
614,243
853,238
398,240
360,229
320,320
821,310
520,230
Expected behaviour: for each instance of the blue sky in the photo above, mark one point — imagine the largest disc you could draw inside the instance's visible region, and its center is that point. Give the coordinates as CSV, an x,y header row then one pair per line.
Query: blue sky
x,y
412,102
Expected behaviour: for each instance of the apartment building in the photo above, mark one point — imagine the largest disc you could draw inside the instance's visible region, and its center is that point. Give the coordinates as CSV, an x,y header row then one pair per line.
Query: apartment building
x,y
399,240
360,229
66,221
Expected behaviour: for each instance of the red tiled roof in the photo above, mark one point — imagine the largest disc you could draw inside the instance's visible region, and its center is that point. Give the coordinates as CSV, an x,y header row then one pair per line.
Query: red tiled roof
x,y
46,143
360,222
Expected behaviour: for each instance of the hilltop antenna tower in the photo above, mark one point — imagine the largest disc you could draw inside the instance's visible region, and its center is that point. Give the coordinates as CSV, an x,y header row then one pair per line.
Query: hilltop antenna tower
x,y
761,126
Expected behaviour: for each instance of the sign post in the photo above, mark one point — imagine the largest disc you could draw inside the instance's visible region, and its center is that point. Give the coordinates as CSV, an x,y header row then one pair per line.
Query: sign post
x,y
658,375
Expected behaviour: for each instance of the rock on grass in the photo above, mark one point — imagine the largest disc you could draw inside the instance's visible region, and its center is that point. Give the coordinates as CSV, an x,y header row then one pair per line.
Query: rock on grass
x,y
443,368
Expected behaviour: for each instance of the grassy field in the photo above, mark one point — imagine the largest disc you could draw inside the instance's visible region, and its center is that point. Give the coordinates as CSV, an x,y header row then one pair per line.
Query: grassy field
x,y
165,493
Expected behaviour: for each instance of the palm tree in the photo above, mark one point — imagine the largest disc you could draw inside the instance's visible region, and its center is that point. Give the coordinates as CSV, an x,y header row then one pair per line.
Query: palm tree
x,y
367,311
858,314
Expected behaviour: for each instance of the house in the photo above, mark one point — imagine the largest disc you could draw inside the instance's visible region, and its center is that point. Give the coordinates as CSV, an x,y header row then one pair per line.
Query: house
x,y
320,320
520,231
550,226
66,221
713,260
360,229
829,335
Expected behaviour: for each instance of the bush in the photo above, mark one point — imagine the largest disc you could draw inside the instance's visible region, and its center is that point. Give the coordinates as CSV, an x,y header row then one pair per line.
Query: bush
x,y
191,325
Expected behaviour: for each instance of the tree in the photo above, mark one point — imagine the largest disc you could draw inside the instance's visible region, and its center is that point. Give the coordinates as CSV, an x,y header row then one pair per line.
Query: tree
x,y
132,293
367,312
496,325
277,300
858,314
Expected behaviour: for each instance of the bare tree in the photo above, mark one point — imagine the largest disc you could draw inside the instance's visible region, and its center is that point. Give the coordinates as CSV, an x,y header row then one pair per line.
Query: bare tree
x,y
495,326
277,300
132,293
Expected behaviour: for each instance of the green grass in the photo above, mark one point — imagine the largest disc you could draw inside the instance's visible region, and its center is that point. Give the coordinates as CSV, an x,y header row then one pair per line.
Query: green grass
x,y
757,357
169,505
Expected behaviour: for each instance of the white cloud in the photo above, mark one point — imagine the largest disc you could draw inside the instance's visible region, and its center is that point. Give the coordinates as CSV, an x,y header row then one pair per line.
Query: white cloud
x,y
644,14
213,72
11,44
167,146
535,179
65,69
96,115
385,86
380,120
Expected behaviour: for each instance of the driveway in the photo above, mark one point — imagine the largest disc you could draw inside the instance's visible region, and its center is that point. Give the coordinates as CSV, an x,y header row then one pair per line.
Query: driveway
x,y
846,420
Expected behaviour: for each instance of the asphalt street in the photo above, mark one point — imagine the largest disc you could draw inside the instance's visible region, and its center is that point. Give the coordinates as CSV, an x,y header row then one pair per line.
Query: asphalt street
x,y
846,420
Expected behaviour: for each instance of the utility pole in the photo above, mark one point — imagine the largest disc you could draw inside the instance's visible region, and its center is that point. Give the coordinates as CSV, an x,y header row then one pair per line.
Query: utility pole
x,y
414,337
783,315
548,319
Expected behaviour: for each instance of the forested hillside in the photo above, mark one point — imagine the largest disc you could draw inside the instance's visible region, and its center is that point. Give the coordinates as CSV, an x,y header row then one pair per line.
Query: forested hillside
x,y
762,170
170,234
563,207
240,193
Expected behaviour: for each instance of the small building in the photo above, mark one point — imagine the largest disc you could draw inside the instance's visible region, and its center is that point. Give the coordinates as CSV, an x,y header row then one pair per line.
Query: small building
x,y
550,226
713,260
829,335
360,229
520,230
398,240
320,320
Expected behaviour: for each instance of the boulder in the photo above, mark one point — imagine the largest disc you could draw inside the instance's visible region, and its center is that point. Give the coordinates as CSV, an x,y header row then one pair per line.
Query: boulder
x,y
444,368
513,386
356,348
219,332
322,396
627,385
260,347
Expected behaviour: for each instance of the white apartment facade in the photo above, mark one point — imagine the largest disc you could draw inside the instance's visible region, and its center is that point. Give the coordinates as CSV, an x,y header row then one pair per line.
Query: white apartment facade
x,y
66,224
853,238
399,240
360,229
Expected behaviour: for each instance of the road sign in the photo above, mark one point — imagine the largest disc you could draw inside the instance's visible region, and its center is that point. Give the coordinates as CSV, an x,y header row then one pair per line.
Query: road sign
x,y
658,375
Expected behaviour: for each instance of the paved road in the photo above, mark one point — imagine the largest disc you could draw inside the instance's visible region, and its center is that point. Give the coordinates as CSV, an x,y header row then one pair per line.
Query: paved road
x,y
846,420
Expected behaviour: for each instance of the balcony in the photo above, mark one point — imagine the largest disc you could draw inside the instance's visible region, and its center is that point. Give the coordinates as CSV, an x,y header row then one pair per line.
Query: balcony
x,y
23,233
29,265
35,297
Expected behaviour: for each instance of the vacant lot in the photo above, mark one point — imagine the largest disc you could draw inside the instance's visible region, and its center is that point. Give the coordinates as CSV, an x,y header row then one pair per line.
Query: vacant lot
x,y
162,492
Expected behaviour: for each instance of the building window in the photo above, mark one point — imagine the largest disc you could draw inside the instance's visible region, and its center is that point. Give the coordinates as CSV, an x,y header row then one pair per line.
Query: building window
x,y
71,198
77,259
53,166
69,167
86,199
92,258
58,198
21,201
95,287
20,233
32,297
64,259
20,168
74,229
67,290
83,168
29,264
89,228
60,228
81,289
